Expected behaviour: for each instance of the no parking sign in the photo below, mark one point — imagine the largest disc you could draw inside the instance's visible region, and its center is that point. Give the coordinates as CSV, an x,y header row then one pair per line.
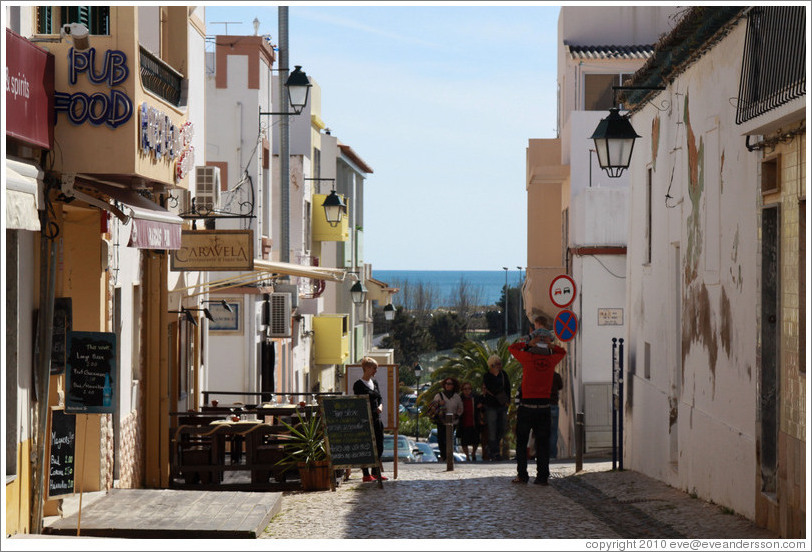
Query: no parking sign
x,y
566,325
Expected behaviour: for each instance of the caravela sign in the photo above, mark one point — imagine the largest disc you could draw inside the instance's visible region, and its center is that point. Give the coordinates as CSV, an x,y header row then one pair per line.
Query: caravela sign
x,y
203,250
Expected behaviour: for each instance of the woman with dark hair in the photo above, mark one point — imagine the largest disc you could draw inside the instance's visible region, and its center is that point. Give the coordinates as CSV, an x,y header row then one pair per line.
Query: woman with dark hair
x,y
451,400
471,420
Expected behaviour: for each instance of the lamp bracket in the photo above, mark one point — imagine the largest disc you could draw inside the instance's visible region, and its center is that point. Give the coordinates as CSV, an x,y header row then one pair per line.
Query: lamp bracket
x,y
666,105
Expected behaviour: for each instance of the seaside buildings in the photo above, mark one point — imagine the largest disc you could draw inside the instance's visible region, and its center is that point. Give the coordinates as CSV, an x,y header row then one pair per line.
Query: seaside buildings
x,y
577,217
142,196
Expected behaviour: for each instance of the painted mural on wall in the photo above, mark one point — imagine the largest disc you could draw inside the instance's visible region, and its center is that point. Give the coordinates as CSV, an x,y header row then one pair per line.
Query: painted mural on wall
x,y
159,136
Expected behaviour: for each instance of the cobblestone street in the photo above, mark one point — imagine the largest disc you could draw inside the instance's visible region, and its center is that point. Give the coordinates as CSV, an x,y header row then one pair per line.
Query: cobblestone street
x,y
478,501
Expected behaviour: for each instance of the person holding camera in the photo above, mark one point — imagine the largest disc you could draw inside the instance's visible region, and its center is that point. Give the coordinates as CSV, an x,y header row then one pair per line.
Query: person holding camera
x,y
538,357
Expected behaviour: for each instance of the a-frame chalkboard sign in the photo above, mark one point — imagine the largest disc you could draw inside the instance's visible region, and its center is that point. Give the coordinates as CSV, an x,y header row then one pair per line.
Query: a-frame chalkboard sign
x,y
348,434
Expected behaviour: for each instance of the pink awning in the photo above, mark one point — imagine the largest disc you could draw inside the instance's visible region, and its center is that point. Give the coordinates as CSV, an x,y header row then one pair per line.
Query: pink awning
x,y
153,227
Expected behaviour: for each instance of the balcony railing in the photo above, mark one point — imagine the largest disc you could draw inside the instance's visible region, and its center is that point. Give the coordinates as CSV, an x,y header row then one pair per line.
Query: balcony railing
x,y
774,61
159,78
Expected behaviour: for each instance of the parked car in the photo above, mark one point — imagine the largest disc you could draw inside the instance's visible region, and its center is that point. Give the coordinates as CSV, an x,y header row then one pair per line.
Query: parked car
x,y
406,448
432,442
426,453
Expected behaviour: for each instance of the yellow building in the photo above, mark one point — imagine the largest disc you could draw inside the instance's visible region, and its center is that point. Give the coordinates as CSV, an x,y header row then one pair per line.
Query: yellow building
x,y
128,121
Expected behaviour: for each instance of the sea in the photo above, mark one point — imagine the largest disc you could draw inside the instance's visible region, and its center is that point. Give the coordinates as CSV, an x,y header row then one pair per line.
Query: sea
x,y
488,282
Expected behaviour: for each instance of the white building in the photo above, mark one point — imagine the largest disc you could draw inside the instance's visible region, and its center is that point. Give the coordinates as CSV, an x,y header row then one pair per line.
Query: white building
x,y
715,380
577,215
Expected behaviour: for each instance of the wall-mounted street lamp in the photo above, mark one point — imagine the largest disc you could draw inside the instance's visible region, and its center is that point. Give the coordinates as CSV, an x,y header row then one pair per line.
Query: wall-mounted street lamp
x,y
358,292
614,142
189,317
223,303
389,312
334,208
614,136
206,313
298,87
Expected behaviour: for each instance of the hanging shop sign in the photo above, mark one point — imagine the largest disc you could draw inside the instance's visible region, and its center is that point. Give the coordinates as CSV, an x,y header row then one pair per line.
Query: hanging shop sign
x,y
203,250
29,92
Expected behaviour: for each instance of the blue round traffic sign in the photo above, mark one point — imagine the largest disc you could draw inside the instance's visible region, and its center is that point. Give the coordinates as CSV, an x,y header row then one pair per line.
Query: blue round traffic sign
x,y
566,325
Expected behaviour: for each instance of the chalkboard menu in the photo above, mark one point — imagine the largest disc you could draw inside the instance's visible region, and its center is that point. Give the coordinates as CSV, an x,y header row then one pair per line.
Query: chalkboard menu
x,y
63,323
348,432
63,445
90,377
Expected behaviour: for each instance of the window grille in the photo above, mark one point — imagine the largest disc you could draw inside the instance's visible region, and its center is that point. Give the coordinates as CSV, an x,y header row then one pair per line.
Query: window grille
x,y
774,60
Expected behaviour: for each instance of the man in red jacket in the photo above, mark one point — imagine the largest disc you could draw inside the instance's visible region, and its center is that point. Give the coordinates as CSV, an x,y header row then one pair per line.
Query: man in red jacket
x,y
538,365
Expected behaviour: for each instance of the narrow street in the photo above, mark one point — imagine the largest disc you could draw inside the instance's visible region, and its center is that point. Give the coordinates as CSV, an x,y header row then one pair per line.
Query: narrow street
x,y
477,501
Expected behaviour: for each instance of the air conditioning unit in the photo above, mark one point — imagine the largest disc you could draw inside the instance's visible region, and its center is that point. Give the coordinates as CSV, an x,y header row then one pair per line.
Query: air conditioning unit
x,y
279,324
207,188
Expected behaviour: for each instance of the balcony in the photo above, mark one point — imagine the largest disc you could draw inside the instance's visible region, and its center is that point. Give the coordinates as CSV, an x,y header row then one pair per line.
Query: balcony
x,y
331,340
160,79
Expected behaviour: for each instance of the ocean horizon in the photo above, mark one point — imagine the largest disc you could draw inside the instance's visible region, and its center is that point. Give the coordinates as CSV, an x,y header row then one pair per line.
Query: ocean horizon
x,y
488,282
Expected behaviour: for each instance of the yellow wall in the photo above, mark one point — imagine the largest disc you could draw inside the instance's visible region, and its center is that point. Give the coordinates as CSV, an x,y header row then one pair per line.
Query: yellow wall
x,y
102,149
18,496
332,343
322,231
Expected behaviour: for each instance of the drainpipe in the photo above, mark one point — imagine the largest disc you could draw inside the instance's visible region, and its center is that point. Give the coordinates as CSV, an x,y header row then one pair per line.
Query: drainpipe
x,y
43,373
284,136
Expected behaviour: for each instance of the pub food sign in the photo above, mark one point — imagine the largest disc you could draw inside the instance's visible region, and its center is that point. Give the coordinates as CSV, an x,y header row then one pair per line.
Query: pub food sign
x,y
91,376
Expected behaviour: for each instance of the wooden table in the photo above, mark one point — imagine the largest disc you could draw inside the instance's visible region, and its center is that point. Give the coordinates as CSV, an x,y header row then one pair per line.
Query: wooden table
x,y
200,452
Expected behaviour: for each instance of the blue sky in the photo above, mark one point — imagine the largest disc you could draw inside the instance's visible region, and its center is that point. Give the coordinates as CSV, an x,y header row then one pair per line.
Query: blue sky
x,y
440,102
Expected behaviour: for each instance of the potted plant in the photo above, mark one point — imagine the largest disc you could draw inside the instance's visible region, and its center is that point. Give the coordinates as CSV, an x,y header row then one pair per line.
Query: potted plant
x,y
304,449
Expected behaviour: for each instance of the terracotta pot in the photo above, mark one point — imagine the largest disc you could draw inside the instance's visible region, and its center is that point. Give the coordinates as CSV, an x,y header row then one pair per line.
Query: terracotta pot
x,y
315,477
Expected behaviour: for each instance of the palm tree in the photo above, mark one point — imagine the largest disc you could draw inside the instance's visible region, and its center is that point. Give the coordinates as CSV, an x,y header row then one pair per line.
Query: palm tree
x,y
469,362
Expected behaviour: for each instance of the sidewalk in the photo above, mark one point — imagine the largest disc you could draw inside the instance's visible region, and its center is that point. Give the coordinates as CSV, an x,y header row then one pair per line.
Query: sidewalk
x,y
478,501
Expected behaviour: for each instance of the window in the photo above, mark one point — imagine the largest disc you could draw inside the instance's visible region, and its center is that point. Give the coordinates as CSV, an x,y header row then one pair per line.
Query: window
x,y
51,18
598,93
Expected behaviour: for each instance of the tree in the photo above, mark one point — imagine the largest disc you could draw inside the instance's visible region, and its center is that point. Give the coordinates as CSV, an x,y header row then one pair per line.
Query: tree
x,y
517,320
466,300
469,362
447,329
409,338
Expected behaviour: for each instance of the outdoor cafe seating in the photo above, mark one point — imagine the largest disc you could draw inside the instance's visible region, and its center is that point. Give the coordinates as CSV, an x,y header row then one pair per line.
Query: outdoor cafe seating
x,y
234,445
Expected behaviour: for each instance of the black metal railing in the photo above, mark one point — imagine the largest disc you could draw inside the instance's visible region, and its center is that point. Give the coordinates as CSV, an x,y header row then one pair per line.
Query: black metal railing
x,y
159,78
774,60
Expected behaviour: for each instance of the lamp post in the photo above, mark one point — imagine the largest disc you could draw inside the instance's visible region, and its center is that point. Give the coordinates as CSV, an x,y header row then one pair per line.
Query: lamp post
x,y
417,371
507,293
521,299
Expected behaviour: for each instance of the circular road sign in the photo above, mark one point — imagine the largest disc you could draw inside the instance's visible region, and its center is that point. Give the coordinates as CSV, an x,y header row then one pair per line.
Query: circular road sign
x,y
562,291
566,325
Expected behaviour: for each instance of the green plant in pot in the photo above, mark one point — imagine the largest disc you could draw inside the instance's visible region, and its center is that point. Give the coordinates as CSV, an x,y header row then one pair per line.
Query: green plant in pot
x,y
305,450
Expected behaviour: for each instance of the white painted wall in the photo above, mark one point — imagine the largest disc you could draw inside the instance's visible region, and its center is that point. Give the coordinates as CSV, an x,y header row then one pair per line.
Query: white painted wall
x,y
697,312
